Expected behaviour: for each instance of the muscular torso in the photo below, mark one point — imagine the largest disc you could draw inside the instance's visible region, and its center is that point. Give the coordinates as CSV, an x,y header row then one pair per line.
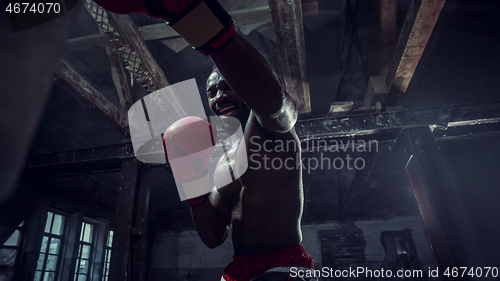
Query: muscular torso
x,y
264,205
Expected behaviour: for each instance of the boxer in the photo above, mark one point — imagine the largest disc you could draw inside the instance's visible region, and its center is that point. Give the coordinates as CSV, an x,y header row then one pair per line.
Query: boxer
x,y
263,207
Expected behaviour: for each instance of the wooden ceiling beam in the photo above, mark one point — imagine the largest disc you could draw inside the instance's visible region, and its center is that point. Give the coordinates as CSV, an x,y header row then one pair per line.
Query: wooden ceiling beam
x,y
480,118
416,31
79,44
163,31
128,43
289,31
77,86
241,17
388,32
377,29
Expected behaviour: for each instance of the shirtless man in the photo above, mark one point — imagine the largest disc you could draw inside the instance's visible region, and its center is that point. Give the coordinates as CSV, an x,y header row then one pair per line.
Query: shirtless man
x,y
264,205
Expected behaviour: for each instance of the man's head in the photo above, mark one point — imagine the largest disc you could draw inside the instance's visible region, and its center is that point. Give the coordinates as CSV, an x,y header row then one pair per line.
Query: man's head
x,y
222,99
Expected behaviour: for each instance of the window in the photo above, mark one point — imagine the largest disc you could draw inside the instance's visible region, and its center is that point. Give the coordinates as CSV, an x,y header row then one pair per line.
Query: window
x,y
84,260
107,257
70,247
50,250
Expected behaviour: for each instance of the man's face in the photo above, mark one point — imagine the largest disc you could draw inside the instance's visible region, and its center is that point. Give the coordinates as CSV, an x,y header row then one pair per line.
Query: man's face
x,y
223,101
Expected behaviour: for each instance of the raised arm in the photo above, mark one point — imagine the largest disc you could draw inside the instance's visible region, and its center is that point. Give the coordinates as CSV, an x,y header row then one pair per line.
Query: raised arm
x,y
253,79
209,28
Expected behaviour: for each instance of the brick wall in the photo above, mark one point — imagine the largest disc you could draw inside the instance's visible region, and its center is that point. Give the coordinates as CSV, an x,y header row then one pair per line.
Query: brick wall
x,y
342,248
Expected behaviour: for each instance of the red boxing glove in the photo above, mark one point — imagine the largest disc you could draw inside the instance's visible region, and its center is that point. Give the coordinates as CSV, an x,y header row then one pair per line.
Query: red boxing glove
x,y
203,23
188,144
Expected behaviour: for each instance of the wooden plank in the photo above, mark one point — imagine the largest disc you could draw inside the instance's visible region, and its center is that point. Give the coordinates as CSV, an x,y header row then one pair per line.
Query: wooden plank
x,y
163,31
77,86
429,174
377,29
140,253
419,24
123,219
79,44
289,31
82,161
388,32
119,77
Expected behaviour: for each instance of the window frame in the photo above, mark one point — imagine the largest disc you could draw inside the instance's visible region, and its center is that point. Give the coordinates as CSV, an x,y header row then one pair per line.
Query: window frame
x,y
107,247
62,244
32,234
81,244
96,256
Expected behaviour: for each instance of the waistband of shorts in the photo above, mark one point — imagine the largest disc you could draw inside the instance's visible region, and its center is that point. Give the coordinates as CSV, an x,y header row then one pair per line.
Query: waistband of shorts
x,y
293,250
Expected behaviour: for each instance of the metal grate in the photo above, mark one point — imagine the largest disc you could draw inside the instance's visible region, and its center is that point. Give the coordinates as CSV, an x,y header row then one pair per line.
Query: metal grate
x,y
132,60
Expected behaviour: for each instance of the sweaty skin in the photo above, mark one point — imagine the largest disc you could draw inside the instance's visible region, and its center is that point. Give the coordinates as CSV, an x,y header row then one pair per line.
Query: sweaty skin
x,y
264,206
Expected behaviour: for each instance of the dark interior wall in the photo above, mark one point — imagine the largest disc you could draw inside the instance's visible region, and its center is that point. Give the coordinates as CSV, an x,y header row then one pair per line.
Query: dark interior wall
x,y
460,64
473,166
343,222
73,195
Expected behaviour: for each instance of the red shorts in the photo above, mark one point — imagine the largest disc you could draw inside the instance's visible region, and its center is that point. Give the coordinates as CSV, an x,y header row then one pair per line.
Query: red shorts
x,y
248,267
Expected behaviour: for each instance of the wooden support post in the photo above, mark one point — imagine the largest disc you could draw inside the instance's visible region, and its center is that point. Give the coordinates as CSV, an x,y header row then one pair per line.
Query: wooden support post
x,y
130,243
445,222
140,248
289,30
123,220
